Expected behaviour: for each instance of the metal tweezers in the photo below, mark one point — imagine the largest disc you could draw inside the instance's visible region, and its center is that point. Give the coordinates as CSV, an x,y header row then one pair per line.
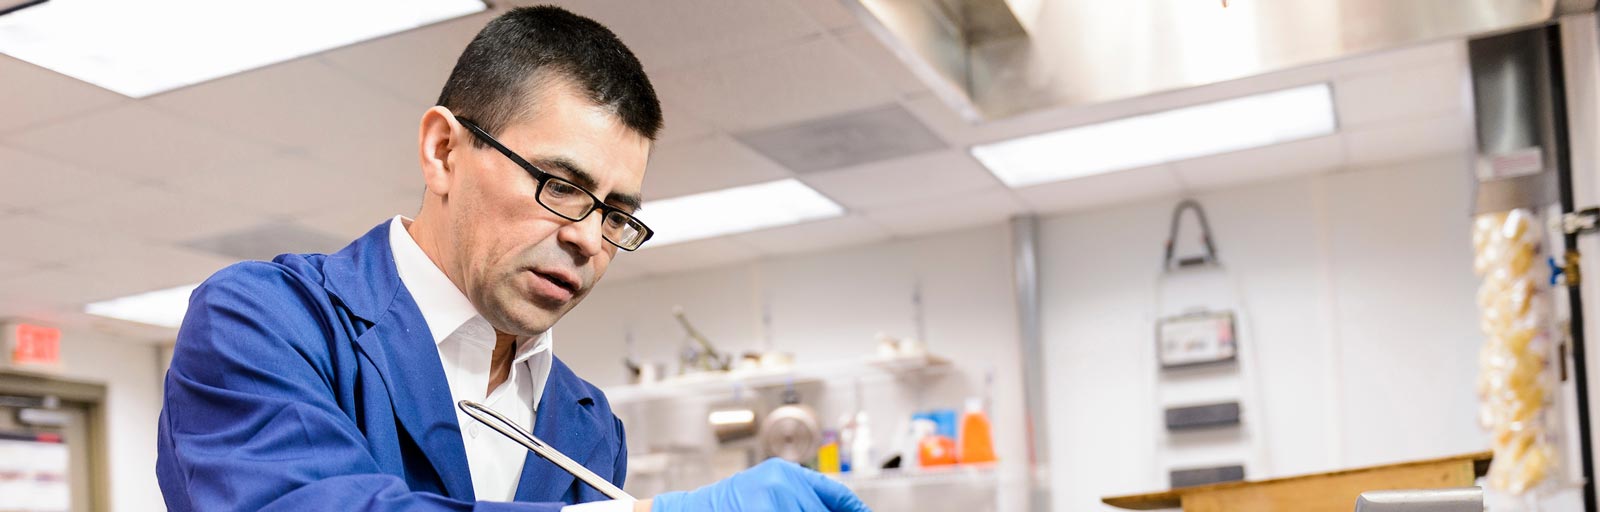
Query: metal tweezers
x,y
508,428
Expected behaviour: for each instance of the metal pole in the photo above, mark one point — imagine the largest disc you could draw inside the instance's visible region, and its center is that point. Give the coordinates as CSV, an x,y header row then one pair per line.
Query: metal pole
x,y
1580,371
1025,268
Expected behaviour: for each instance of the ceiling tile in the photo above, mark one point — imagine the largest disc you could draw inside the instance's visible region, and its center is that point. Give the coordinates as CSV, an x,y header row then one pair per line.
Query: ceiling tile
x,y
943,120
1259,164
56,289
349,220
123,330
1423,91
302,107
132,268
672,34
852,138
32,181
814,236
35,95
935,216
689,255
414,64
36,240
153,213
830,14
389,159
1404,140
135,141
679,125
143,267
706,164
941,175
1102,189
803,80
267,241
11,268
880,59
284,185
22,309
1410,57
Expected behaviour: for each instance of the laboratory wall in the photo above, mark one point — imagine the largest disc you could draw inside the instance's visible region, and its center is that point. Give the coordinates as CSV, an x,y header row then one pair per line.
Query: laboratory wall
x,y
1358,301
131,372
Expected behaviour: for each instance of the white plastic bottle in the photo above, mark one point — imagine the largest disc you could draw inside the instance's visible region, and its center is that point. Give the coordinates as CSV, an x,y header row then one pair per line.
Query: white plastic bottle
x,y
862,460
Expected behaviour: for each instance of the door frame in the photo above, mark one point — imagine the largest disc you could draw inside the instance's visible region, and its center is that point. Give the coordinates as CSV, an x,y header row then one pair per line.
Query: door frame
x,y
89,395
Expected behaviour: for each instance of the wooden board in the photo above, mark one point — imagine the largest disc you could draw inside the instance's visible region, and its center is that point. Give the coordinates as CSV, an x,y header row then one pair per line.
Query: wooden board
x,y
1333,491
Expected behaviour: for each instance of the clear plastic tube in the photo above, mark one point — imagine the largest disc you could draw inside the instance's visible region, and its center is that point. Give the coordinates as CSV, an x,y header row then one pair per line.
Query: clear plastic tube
x,y
1515,381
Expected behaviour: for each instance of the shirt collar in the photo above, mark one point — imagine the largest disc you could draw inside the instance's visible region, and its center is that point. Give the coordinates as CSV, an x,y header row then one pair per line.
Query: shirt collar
x,y
444,307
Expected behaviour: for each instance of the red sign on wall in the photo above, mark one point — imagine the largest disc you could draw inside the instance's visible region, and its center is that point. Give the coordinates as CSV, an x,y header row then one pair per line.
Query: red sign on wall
x,y
35,345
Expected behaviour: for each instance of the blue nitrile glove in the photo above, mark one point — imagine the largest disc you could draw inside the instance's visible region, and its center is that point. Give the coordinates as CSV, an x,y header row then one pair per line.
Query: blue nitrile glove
x,y
770,486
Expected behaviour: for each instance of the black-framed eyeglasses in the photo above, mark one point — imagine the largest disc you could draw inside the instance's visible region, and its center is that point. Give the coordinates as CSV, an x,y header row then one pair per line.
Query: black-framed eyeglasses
x,y
571,201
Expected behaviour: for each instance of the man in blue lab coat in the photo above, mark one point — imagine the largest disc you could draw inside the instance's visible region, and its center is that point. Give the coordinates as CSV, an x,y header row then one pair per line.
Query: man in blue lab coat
x,y
328,382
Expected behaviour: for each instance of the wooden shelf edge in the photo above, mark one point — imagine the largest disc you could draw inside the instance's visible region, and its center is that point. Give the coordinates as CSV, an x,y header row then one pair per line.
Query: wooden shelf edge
x,y
1173,498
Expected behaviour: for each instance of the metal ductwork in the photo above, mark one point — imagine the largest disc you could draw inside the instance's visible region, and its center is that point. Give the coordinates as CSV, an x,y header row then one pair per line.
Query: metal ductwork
x,y
1514,115
992,59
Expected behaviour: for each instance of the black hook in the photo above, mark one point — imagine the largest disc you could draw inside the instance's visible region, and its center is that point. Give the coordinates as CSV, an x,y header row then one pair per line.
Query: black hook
x,y
1205,236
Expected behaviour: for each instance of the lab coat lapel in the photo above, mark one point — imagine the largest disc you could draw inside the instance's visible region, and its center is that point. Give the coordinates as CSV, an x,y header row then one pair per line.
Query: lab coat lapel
x,y
567,421
401,347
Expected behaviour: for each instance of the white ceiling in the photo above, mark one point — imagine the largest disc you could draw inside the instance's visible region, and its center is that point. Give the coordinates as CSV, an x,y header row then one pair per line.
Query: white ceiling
x,y
100,191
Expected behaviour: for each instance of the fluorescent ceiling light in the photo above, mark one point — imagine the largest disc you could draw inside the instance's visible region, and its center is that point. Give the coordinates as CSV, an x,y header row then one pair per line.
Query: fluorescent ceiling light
x,y
734,210
161,307
139,48
1189,132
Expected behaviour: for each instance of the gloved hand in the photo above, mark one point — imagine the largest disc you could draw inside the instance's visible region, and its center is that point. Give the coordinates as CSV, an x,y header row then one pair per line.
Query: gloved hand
x,y
770,486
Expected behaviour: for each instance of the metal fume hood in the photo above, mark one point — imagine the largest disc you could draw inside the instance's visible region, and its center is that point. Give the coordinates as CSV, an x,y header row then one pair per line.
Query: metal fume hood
x,y
991,59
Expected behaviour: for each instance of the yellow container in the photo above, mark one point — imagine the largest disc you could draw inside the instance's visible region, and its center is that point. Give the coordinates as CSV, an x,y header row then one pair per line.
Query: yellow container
x,y
828,458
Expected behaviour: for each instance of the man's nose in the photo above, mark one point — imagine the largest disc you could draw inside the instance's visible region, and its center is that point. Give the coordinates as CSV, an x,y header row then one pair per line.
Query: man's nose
x,y
585,235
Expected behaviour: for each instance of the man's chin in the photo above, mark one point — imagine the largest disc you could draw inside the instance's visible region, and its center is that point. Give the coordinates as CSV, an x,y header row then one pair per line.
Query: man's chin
x,y
526,320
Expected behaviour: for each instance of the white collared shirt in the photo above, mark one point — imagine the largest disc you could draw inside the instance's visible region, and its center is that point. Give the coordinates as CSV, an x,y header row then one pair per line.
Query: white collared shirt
x,y
466,344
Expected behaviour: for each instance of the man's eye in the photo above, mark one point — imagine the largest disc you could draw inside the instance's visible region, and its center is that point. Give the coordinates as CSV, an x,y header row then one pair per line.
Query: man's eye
x,y
561,188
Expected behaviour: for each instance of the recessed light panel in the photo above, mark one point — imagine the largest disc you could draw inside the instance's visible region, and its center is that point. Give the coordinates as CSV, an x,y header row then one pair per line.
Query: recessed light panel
x,y
1179,134
163,308
734,210
140,48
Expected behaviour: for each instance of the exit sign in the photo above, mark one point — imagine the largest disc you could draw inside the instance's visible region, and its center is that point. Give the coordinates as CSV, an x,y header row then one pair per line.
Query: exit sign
x,y
34,345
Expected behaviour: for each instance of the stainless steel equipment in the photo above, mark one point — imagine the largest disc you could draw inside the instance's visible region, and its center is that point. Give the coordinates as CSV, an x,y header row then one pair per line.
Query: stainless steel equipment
x,y
1468,499
992,59
790,432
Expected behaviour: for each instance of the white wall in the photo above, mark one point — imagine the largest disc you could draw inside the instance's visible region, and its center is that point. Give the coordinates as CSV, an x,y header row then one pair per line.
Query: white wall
x,y
131,372
1360,290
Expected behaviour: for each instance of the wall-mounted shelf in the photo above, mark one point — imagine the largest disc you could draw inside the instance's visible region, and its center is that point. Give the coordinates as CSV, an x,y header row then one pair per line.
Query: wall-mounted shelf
x,y
709,383
968,475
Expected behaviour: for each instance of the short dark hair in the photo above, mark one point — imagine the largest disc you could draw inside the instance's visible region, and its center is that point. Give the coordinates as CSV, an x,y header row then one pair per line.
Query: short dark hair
x,y
526,49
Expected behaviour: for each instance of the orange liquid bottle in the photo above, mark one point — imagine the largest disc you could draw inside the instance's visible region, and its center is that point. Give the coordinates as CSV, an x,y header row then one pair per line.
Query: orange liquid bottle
x,y
976,446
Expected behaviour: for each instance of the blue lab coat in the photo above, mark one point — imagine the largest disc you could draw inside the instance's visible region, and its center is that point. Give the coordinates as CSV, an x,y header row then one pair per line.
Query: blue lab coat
x,y
312,383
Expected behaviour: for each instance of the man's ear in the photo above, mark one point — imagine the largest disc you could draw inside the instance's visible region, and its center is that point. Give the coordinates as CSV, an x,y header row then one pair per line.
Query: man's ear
x,y
436,140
